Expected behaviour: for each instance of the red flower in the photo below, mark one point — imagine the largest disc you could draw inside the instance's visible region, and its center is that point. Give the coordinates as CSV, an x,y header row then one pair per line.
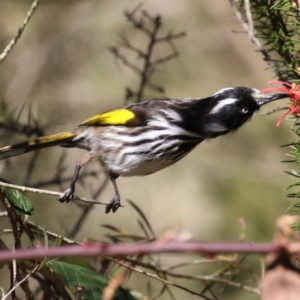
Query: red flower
x,y
294,92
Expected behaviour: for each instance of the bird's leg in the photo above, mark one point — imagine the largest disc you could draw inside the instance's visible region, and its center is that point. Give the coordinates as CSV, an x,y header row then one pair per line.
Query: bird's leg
x,y
69,193
115,202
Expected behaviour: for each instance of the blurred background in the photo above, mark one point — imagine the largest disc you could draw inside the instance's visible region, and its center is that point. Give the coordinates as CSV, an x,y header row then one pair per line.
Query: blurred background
x,y
63,71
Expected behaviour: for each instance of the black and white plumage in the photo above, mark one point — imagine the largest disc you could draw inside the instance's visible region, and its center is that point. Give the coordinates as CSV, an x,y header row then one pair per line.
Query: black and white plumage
x,y
146,137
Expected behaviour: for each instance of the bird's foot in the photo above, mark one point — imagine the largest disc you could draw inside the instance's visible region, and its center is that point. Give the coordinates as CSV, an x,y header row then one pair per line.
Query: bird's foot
x,y
113,205
67,195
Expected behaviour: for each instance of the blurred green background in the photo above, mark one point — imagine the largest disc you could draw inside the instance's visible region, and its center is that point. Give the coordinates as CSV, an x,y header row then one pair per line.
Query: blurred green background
x,y
63,69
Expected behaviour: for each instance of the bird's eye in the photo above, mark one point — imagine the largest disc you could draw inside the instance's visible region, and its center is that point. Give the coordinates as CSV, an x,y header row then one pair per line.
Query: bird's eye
x,y
245,110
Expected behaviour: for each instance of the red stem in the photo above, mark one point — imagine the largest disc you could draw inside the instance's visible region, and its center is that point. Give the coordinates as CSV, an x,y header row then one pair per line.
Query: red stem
x,y
151,247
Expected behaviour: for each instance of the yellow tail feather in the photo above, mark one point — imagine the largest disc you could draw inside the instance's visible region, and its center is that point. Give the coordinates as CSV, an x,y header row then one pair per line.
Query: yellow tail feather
x,y
35,144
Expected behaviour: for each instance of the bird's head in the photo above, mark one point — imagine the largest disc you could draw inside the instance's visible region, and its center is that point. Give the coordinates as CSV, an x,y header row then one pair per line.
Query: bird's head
x,y
232,107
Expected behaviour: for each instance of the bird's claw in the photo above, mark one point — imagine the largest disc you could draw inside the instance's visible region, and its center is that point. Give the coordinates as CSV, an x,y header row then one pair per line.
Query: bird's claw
x,y
67,195
113,205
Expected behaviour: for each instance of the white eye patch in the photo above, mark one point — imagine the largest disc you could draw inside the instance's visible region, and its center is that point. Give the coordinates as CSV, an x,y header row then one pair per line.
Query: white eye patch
x,y
223,103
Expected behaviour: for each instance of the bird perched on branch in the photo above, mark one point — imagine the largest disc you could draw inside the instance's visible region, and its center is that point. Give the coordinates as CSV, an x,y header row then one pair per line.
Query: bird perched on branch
x,y
146,137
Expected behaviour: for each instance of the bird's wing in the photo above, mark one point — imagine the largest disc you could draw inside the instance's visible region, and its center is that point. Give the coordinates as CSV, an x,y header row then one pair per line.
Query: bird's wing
x,y
121,116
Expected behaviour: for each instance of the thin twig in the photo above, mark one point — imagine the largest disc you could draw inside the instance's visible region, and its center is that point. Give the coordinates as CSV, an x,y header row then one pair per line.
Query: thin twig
x,y
207,278
13,42
13,275
124,60
212,278
145,76
13,220
250,32
249,19
46,192
3,231
201,262
20,282
3,214
171,36
149,26
156,277
16,267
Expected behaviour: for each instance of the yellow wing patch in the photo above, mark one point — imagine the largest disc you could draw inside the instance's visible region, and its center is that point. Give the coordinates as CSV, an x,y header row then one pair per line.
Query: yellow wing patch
x,y
114,117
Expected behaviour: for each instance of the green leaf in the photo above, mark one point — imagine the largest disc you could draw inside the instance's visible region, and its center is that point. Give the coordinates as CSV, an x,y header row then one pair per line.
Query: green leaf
x,y
81,279
294,209
21,204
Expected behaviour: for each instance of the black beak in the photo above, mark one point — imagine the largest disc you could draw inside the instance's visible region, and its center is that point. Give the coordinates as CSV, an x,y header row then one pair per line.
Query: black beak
x,y
266,98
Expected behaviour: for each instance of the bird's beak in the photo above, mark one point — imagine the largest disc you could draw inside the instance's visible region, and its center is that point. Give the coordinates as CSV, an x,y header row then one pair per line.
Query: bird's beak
x,y
263,99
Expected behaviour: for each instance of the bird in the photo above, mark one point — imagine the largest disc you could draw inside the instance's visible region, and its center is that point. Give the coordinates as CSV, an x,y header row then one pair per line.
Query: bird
x,y
145,137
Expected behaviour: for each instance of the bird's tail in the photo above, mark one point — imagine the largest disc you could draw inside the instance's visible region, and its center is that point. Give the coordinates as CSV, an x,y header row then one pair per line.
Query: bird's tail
x,y
36,144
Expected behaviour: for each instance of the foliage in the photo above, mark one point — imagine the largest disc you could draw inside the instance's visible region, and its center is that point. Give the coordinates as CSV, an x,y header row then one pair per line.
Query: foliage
x,y
277,24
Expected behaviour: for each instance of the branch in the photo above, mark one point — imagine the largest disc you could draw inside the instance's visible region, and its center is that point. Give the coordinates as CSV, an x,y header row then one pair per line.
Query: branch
x,y
248,27
156,277
89,249
209,278
20,282
13,42
46,192
150,26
